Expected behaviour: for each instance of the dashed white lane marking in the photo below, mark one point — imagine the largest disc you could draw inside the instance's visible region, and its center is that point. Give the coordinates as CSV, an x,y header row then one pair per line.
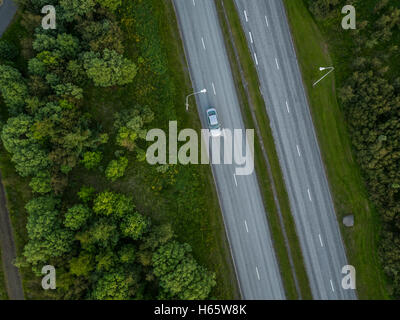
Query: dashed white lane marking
x,y
213,86
255,58
277,64
247,228
266,21
251,37
234,177
245,15
309,194
194,2
320,240
298,150
258,274
202,41
287,105
333,289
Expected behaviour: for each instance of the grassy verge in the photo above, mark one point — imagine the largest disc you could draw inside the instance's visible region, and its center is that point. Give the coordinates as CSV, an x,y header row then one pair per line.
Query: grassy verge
x,y
3,291
267,164
347,185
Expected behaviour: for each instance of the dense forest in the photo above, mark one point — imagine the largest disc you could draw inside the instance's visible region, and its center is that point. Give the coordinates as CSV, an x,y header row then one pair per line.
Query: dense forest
x,y
102,246
369,92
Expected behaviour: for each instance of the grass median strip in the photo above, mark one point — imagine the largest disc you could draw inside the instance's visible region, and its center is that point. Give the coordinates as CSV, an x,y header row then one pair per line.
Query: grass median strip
x,y
347,185
268,169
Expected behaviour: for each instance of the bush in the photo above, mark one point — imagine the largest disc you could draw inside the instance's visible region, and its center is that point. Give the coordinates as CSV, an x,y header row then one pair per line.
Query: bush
x,y
8,51
116,169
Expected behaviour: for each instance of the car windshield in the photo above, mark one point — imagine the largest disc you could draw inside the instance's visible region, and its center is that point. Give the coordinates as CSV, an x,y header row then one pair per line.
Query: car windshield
x,y
212,118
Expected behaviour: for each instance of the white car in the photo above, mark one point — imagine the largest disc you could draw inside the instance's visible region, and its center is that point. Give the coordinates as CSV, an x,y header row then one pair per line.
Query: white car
x,y
213,123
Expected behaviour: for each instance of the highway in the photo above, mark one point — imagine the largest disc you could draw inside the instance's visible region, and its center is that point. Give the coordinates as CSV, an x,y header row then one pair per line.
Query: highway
x,y
267,30
240,198
8,252
7,12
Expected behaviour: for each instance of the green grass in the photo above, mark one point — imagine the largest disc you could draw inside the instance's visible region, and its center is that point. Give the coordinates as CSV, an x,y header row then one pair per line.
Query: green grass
x,y
267,167
3,291
347,185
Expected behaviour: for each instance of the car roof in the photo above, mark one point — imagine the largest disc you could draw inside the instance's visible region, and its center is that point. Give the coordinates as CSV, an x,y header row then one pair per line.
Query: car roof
x,y
213,120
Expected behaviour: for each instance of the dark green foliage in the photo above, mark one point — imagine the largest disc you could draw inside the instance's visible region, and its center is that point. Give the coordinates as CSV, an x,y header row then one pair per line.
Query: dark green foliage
x,y
116,169
109,68
104,244
8,51
130,126
180,275
12,88
76,217
47,236
91,160
41,183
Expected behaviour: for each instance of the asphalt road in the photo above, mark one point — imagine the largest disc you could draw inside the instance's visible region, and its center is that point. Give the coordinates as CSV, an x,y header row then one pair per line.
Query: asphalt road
x,y
7,12
240,197
11,273
266,26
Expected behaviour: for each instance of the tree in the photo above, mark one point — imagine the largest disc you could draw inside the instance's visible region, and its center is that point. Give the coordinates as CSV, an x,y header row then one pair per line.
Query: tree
x,y
74,8
13,88
83,265
179,274
108,69
86,193
109,203
110,4
130,125
28,156
116,169
91,160
77,216
47,237
112,286
41,183
134,226
8,51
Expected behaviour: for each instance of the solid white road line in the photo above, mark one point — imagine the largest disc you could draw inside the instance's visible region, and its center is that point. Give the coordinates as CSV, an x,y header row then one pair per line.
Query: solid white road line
x,y
247,228
266,20
333,289
298,150
320,240
213,86
258,274
277,64
234,177
202,41
245,15
255,57
287,104
309,194
251,37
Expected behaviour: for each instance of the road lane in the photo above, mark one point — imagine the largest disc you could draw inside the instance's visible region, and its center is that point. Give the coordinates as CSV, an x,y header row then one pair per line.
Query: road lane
x,y
241,201
297,145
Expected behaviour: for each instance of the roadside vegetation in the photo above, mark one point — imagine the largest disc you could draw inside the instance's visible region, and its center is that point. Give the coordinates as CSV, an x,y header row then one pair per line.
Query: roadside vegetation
x,y
267,164
79,101
355,115
3,291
